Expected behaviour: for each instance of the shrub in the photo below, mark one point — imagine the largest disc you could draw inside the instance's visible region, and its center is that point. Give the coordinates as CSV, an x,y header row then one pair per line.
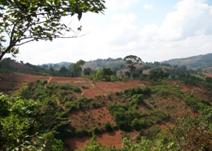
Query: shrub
x,y
108,127
146,92
41,90
136,99
82,103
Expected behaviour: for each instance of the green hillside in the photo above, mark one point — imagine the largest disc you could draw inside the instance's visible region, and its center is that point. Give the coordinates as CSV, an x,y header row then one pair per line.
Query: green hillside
x,y
195,62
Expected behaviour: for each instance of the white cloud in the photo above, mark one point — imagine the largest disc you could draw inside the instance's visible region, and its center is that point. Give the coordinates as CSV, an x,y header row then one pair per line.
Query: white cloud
x,y
190,18
148,7
118,5
185,31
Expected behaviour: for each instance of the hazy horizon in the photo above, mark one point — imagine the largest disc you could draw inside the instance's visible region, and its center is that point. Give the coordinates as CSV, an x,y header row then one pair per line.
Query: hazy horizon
x,y
153,30
104,59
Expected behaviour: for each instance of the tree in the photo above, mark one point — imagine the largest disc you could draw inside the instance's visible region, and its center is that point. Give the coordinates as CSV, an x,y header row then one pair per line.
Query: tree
x,y
77,68
131,61
87,71
64,71
23,21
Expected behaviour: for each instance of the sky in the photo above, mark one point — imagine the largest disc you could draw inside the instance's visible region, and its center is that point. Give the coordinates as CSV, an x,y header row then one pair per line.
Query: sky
x,y
154,30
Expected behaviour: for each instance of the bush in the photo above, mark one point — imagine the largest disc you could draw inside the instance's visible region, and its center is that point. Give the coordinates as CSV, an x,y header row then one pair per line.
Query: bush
x,y
104,74
82,103
142,123
41,90
128,118
146,92
108,127
136,99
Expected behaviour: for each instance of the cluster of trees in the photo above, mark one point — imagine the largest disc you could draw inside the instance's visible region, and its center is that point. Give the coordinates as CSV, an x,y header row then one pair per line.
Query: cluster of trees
x,y
23,119
133,68
78,69
74,70
10,65
37,116
128,117
188,134
23,125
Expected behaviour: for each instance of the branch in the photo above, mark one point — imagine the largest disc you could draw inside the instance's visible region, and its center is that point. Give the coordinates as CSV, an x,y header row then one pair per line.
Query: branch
x,y
24,42
67,37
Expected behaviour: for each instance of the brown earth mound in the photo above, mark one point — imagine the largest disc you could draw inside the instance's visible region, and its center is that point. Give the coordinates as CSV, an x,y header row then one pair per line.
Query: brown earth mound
x,y
94,118
12,81
113,139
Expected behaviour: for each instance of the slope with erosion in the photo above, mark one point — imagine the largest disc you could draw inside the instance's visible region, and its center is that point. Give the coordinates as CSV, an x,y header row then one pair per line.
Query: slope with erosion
x,y
80,108
140,115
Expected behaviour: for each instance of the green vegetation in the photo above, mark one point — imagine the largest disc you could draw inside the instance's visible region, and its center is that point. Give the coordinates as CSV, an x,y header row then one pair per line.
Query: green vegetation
x,y
38,118
202,107
104,74
195,62
166,90
131,62
128,117
188,134
82,103
23,119
108,127
22,127
38,115
43,116
42,90
25,21
9,65
161,142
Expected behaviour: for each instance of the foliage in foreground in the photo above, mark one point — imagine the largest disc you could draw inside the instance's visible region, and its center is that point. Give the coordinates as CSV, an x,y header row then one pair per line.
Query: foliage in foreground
x,y
190,134
20,128
23,119
160,143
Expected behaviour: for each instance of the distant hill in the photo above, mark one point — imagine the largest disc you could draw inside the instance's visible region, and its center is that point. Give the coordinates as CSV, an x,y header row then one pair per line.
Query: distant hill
x,y
113,64
195,62
56,66
203,62
10,65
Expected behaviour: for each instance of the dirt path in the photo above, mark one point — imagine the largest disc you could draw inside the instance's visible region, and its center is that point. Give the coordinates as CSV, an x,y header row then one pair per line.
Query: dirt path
x,y
50,79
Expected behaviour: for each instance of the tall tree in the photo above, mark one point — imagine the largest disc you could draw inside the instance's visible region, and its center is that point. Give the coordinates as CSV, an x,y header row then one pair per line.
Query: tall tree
x,y
131,62
23,21
77,68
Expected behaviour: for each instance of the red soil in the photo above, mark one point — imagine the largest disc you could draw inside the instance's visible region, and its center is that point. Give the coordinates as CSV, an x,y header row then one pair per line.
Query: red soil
x,y
12,81
76,143
174,107
105,88
209,75
166,126
94,117
113,139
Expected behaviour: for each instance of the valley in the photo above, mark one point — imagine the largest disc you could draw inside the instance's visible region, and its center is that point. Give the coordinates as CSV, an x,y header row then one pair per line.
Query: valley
x,y
150,107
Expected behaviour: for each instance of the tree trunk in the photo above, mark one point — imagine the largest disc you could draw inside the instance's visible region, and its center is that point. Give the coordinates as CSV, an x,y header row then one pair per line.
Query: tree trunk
x,y
2,55
5,51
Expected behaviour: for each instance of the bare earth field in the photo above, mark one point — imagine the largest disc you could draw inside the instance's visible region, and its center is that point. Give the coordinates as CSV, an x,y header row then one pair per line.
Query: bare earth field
x,y
13,81
10,82
209,75
113,139
98,117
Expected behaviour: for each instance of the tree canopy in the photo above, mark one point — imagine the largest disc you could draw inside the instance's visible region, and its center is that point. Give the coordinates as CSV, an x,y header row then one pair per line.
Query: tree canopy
x,y
23,21
131,62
